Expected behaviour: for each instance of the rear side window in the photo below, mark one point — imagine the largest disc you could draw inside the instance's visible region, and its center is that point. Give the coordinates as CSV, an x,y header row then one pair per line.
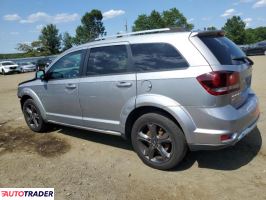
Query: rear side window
x,y
156,56
108,60
226,52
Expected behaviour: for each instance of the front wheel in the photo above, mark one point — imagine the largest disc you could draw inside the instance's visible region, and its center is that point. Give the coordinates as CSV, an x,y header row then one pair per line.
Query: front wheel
x,y
3,72
33,117
158,141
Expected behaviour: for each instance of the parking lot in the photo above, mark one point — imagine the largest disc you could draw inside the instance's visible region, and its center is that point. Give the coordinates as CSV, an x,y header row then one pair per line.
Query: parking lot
x,y
85,165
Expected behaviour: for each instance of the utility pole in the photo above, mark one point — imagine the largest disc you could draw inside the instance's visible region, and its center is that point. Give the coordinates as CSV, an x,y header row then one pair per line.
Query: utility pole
x,y
126,26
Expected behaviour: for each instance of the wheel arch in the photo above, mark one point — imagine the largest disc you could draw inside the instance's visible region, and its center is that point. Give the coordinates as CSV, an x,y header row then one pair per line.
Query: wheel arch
x,y
176,114
30,94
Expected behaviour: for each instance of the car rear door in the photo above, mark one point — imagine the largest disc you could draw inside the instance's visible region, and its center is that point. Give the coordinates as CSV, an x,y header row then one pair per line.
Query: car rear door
x,y
108,86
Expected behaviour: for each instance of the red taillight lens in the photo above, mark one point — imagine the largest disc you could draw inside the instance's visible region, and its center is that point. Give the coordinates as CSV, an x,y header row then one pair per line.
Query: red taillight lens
x,y
225,137
220,82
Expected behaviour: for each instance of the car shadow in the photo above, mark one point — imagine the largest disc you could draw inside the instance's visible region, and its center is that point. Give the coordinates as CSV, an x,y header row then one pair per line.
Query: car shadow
x,y
101,138
230,158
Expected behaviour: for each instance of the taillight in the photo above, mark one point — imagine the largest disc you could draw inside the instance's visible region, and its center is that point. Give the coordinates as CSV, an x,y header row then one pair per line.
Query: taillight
x,y
220,82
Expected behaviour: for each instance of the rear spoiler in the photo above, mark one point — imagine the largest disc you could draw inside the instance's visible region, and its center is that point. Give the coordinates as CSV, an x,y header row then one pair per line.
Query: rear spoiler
x,y
208,33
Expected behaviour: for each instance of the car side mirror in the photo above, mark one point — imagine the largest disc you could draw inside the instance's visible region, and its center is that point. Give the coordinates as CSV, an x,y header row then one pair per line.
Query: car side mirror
x,y
40,74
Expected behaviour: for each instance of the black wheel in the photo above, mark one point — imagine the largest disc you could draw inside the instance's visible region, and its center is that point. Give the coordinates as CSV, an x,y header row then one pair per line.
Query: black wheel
x,y
3,72
158,141
33,117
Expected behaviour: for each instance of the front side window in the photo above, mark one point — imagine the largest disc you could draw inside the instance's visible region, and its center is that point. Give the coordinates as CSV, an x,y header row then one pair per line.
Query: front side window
x,y
68,66
108,60
156,56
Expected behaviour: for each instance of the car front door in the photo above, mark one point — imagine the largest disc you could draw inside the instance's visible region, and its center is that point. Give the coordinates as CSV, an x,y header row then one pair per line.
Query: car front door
x,y
108,87
59,92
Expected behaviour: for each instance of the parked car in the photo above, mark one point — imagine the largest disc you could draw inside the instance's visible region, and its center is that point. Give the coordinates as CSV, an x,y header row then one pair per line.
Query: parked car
x,y
164,90
42,63
27,67
7,67
256,49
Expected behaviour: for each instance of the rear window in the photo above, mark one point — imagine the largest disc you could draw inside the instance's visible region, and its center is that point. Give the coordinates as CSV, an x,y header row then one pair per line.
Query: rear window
x,y
156,56
226,52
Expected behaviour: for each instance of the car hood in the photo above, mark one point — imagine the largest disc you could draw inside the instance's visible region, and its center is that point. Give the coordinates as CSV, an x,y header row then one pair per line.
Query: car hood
x,y
8,66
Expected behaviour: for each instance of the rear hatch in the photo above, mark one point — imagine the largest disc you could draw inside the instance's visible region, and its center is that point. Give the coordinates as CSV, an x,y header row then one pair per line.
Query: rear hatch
x,y
230,59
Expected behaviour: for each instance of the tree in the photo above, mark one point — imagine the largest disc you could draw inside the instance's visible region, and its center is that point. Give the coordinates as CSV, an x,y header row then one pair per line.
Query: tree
x,y
141,23
50,39
174,18
67,41
24,47
156,20
91,27
35,48
235,29
170,18
211,28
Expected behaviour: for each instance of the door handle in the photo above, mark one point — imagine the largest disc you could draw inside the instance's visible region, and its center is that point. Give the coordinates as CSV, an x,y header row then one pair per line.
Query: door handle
x,y
71,86
124,84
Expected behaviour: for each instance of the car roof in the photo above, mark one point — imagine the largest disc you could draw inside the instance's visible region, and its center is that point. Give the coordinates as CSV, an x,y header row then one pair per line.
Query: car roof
x,y
7,61
149,36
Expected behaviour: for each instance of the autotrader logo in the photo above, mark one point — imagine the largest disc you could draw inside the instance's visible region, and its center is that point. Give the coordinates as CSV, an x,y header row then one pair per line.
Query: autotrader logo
x,y
27,193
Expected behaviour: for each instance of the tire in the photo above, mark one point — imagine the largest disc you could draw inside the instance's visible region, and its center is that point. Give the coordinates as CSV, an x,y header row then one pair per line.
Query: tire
x,y
3,72
33,117
158,141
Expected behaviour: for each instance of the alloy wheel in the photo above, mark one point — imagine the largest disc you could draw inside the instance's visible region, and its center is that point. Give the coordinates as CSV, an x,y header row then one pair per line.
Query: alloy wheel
x,y
32,116
154,143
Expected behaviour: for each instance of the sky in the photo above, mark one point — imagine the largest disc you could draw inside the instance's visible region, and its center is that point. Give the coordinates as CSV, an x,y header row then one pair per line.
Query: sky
x,y
22,20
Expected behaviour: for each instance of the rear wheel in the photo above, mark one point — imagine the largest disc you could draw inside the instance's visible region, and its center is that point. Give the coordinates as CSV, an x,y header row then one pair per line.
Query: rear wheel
x,y
158,141
33,117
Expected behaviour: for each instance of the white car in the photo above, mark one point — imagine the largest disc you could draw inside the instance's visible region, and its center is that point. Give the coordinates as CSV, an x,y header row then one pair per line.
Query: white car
x,y
27,67
8,67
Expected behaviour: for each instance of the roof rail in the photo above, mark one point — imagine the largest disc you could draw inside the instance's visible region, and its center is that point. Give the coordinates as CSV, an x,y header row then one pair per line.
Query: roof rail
x,y
161,30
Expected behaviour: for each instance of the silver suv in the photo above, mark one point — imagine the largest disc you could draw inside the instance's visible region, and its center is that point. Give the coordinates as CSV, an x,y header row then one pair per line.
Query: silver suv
x,y
167,91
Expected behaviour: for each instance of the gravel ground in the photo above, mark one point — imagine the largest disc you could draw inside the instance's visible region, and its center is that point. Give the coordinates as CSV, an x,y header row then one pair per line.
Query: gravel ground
x,y
85,165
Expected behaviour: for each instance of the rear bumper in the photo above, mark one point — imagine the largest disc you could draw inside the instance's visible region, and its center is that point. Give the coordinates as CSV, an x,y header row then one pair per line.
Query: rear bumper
x,y
212,123
235,138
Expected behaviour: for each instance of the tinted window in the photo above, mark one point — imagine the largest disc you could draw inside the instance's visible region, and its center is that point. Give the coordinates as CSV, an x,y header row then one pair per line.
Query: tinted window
x,y
226,52
108,60
156,56
67,67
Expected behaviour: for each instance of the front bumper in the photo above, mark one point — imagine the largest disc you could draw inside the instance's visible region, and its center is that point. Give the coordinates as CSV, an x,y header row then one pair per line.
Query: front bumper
x,y
7,70
212,123
28,69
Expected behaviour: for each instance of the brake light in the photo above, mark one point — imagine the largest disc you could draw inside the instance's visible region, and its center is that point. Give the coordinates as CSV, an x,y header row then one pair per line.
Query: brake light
x,y
220,82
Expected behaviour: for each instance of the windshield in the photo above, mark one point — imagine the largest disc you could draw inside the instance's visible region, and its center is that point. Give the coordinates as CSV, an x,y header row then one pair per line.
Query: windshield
x,y
226,52
8,63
